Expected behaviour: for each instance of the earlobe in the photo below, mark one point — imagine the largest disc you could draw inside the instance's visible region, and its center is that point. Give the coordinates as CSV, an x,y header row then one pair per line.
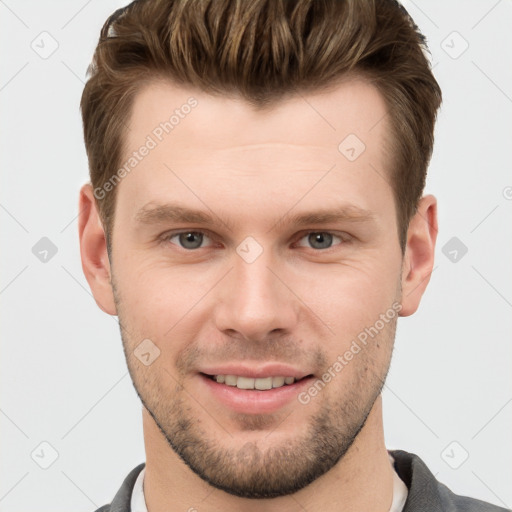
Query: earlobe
x,y
419,254
93,251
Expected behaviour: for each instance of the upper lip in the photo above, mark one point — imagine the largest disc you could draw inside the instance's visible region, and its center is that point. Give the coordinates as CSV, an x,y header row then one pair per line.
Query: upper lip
x,y
255,371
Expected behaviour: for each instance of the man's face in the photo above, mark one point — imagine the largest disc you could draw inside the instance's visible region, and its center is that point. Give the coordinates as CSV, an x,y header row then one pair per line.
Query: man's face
x,y
254,293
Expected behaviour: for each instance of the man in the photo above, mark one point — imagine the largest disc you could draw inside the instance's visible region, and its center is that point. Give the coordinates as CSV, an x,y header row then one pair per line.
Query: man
x,y
255,219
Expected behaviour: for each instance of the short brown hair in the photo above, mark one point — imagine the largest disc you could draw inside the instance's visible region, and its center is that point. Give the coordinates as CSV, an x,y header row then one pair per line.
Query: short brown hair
x,y
263,50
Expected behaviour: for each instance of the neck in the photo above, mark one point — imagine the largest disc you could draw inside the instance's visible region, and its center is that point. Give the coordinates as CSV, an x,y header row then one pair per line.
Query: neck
x,y
361,480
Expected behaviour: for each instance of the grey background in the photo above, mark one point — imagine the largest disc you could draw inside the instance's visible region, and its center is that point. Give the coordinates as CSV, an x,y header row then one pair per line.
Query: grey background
x,y
63,374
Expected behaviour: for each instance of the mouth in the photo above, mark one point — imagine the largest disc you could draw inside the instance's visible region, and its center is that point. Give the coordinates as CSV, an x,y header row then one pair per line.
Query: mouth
x,y
252,387
255,383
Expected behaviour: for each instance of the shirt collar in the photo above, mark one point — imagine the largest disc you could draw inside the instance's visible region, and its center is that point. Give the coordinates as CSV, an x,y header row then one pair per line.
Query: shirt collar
x,y
138,502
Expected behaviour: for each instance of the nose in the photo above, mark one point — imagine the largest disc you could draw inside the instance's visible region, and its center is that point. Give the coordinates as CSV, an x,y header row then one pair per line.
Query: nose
x,y
256,300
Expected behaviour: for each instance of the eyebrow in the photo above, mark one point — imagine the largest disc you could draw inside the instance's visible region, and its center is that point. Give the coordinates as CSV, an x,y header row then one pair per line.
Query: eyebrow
x,y
159,213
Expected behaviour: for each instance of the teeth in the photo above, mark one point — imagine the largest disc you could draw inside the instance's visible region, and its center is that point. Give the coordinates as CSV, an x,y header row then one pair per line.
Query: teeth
x,y
263,383
230,380
245,383
251,383
277,382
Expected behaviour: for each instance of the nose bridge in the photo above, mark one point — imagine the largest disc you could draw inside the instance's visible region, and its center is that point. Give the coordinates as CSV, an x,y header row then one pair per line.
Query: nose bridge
x,y
254,300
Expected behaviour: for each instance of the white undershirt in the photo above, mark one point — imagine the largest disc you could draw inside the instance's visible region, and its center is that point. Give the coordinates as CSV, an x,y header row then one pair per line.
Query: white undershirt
x,y
138,503
400,490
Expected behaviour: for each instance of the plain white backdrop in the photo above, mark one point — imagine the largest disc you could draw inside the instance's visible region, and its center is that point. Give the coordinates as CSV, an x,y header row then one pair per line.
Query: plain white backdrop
x,y
64,379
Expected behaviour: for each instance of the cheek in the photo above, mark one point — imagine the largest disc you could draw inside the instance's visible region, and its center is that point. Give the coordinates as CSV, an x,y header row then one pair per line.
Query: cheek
x,y
352,297
156,297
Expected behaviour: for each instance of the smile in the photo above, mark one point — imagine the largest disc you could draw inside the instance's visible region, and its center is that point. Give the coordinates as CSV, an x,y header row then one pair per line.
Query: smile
x,y
261,384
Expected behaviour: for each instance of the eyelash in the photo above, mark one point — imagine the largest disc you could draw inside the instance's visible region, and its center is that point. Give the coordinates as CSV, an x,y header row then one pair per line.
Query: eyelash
x,y
167,237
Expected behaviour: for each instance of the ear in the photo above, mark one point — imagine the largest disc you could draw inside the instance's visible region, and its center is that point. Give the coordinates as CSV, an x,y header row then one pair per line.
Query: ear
x,y
93,251
419,254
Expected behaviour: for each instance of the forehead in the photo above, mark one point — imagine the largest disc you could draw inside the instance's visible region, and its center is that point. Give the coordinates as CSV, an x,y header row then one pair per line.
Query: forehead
x,y
218,147
320,119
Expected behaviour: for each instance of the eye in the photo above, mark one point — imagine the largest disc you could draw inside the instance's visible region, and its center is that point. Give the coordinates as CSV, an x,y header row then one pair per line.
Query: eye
x,y
321,240
190,240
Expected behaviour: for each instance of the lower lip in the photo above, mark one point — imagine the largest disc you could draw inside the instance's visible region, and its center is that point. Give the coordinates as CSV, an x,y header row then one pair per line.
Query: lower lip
x,y
253,401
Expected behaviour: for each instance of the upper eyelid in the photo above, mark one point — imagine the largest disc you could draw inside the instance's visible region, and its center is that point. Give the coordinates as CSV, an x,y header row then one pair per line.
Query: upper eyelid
x,y
170,234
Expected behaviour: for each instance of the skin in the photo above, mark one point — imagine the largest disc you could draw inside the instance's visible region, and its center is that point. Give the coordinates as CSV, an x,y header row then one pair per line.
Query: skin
x,y
297,303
